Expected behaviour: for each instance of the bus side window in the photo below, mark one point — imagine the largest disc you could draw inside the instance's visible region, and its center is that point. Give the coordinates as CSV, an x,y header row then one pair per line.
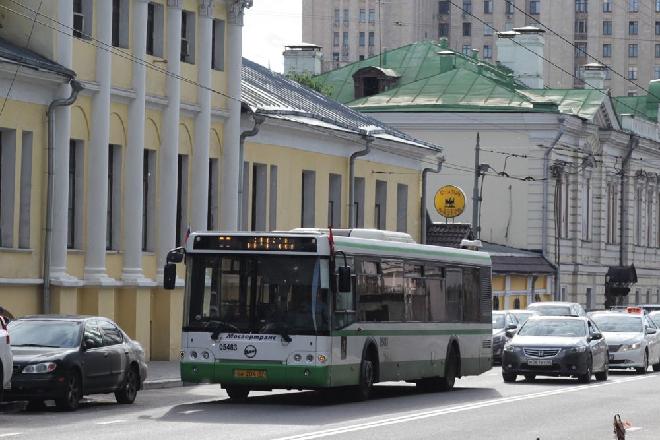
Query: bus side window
x,y
416,293
471,295
435,284
368,289
454,287
393,305
345,313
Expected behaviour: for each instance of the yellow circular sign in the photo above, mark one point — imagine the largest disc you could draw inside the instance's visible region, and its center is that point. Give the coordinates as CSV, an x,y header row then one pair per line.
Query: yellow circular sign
x,y
449,201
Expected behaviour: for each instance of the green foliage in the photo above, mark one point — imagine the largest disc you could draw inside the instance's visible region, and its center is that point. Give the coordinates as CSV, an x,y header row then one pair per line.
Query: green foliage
x,y
307,80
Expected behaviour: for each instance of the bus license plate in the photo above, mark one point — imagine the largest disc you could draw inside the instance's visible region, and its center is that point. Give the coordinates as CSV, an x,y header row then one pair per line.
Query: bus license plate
x,y
539,362
251,374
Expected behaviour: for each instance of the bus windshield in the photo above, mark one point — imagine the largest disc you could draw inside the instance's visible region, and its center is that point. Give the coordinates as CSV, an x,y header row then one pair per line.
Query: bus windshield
x,y
268,294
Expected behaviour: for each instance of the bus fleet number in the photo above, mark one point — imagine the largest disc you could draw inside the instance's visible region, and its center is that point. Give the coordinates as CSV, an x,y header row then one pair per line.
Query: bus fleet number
x,y
227,347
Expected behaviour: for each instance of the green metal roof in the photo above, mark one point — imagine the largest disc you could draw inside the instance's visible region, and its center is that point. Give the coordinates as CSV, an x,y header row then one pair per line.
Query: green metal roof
x,y
636,105
583,103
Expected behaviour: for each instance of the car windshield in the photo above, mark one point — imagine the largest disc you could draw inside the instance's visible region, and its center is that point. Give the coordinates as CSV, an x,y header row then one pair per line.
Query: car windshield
x,y
498,320
46,333
522,316
655,316
618,323
268,294
553,327
551,310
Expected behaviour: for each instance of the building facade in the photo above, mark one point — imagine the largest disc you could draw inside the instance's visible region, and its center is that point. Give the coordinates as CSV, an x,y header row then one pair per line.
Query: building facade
x,y
624,35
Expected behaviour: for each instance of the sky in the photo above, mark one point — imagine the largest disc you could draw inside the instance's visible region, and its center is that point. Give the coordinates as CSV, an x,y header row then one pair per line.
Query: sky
x,y
270,25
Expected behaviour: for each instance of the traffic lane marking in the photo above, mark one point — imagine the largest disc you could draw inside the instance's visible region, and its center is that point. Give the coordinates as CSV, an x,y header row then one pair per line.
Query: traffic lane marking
x,y
10,434
110,422
454,409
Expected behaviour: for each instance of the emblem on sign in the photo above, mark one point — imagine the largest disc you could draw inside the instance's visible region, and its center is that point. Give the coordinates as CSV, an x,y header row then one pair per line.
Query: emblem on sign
x,y
250,351
449,201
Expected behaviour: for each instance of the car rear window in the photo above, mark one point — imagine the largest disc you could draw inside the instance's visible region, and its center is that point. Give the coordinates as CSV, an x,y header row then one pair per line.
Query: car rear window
x,y
47,333
552,310
619,323
553,327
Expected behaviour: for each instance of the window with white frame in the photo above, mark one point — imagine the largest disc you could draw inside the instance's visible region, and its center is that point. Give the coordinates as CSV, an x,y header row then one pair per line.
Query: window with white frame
x,y
633,50
401,207
580,5
564,203
188,37
657,5
258,213
213,197
612,212
272,199
639,194
535,7
633,27
380,207
363,15
245,198
182,199
114,198
633,5
372,16
120,21
656,72
335,39
358,202
75,202
155,26
82,18
218,46
607,27
509,7
308,202
7,186
649,218
362,39
488,52
334,200
25,192
586,204
148,200
607,5
488,6
488,29
632,73
580,26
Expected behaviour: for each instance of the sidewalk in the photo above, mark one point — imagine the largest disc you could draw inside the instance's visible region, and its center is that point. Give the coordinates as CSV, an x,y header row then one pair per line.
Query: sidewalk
x,y
162,374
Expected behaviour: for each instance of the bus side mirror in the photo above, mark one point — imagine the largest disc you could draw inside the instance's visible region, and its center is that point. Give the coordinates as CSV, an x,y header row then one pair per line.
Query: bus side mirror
x,y
169,276
344,279
175,256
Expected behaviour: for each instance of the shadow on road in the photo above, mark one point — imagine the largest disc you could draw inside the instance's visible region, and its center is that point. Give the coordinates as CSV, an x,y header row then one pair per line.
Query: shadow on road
x,y
313,407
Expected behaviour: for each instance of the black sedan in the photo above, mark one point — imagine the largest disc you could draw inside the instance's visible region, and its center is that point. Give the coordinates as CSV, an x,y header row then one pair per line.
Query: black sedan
x,y
556,346
63,358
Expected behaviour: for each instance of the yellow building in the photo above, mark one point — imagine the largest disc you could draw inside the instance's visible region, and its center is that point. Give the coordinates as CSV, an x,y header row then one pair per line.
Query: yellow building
x,y
148,126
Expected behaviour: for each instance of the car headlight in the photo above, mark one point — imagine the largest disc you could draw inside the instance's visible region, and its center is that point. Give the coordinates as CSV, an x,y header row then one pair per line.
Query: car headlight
x,y
510,348
578,349
43,367
626,347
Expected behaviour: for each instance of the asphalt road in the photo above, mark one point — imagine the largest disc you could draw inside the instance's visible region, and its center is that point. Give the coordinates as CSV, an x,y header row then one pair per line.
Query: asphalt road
x,y
479,408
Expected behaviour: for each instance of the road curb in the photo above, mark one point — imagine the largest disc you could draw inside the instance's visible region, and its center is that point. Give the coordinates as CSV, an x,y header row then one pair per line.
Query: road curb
x,y
161,384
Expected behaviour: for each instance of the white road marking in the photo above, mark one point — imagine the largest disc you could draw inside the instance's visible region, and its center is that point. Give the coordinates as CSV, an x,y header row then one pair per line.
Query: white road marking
x,y
453,409
633,428
110,422
191,411
10,434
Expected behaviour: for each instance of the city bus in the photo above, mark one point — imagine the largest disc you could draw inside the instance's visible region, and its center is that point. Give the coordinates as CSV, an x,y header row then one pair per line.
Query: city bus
x,y
330,310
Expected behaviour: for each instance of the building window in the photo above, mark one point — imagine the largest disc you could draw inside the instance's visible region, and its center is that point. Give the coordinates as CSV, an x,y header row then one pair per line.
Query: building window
x,y
74,215
633,5
633,50
334,201
612,212
371,40
607,27
182,199
218,45
633,28
401,207
308,205
443,30
607,5
358,202
535,7
148,200
155,21
335,57
336,17
580,49
649,219
657,27
82,18
245,198
657,5
188,37
363,15
7,186
362,39
509,7
632,72
259,197
564,205
120,23
335,39
467,29
467,49
580,26
488,52
272,198
443,7
607,50
467,7
212,204
608,73
344,40
346,17
638,216
25,192
372,16
580,5
488,29
656,72
380,208
114,198
488,6
586,209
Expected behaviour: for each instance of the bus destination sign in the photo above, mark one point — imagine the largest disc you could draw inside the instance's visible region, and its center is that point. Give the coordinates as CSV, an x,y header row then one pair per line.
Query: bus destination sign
x,y
254,243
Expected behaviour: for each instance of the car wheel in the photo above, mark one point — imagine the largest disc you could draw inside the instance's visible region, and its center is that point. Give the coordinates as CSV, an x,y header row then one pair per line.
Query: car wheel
x,y
70,401
509,377
447,382
602,375
238,393
530,377
643,370
128,391
656,367
586,377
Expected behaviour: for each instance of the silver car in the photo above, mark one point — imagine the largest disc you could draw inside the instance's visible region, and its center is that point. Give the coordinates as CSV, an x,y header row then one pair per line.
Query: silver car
x,y
632,339
557,308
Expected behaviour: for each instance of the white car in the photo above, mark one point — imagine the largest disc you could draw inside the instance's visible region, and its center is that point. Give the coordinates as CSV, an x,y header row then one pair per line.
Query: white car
x,y
6,360
632,339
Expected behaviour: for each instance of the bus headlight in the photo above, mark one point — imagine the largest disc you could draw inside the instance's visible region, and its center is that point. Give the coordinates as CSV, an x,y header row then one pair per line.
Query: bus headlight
x,y
193,354
322,358
297,357
205,355
310,358
182,354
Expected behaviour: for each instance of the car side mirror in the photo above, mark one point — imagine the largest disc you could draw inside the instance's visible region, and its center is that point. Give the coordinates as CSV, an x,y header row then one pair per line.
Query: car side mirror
x,y
510,333
651,331
169,276
511,326
88,343
596,336
344,284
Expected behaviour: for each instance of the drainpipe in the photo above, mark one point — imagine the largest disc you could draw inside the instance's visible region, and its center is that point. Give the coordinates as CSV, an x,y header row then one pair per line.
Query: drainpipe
x,y
546,189
351,178
623,212
258,120
437,169
76,87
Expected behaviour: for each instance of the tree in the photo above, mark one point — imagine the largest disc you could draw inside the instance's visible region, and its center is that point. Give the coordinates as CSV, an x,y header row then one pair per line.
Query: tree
x,y
307,80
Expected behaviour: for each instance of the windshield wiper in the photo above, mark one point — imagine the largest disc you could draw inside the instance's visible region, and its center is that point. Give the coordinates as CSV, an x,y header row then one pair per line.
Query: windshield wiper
x,y
36,345
281,328
218,328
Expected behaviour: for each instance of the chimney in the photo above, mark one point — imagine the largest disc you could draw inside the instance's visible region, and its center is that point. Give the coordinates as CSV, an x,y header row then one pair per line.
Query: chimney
x,y
593,76
303,58
516,49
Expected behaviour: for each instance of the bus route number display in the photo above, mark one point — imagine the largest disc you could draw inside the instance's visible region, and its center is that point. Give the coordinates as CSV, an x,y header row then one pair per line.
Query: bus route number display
x,y
449,201
255,243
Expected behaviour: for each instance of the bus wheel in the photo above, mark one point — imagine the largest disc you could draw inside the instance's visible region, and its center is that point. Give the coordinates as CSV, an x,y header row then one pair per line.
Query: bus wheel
x,y
238,393
362,391
447,382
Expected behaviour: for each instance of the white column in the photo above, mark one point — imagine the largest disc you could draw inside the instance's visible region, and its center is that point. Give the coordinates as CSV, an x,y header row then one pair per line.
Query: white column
x,y
169,149
62,133
200,166
232,130
133,195
97,154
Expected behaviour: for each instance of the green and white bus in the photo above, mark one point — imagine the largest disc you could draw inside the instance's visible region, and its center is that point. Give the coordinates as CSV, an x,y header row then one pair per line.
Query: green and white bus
x,y
309,309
